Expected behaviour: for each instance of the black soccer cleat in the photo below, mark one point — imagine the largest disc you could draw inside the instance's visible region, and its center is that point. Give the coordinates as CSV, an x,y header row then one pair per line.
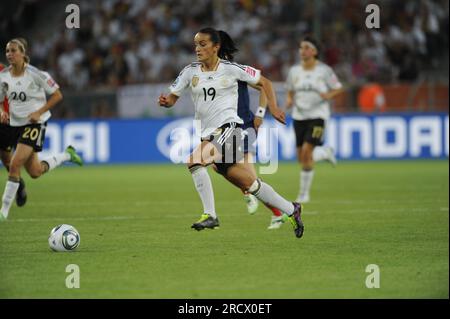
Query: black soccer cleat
x,y
206,221
21,196
296,220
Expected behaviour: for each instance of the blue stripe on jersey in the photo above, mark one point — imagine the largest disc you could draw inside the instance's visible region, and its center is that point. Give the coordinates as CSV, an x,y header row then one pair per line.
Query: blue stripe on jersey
x,y
192,65
232,63
38,72
244,111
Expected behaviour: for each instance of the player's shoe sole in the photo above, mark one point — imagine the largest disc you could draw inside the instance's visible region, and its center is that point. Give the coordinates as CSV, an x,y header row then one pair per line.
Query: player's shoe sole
x,y
74,157
21,196
206,221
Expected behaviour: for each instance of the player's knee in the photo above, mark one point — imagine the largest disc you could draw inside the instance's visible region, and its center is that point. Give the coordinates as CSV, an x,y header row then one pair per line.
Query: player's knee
x,y
35,174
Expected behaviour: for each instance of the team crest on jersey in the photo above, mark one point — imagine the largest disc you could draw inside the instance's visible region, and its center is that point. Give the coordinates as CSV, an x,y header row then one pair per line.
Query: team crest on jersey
x,y
195,80
224,82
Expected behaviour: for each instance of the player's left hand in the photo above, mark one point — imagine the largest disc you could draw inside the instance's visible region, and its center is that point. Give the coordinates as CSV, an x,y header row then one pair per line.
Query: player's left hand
x,y
257,122
34,117
4,117
326,96
279,115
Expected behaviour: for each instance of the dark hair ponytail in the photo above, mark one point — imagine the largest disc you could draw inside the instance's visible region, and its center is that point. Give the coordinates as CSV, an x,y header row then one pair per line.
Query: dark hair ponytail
x,y
227,46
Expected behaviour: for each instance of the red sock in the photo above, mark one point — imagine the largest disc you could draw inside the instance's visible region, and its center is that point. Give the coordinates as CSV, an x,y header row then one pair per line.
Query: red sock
x,y
275,211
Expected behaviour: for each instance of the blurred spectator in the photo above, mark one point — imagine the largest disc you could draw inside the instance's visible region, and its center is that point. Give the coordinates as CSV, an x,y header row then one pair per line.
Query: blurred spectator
x,y
371,97
147,41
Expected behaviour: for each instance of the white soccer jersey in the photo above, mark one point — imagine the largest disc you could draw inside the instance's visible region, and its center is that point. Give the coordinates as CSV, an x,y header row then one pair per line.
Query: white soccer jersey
x,y
306,86
26,93
214,93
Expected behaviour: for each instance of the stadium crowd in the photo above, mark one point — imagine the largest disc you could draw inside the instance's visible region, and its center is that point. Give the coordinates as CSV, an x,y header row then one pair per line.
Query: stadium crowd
x,y
148,41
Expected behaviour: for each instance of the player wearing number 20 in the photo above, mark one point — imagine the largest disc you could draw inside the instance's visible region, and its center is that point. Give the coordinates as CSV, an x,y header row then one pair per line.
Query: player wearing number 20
x,y
25,87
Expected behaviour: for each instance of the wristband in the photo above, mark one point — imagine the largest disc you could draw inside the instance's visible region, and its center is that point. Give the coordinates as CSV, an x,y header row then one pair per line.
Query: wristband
x,y
260,111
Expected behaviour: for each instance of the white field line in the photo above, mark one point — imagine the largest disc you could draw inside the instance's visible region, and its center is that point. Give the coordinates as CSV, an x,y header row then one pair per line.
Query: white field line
x,y
32,220
28,220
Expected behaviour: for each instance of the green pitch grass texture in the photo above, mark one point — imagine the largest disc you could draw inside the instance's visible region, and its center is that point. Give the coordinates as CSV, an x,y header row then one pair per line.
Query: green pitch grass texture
x,y
136,240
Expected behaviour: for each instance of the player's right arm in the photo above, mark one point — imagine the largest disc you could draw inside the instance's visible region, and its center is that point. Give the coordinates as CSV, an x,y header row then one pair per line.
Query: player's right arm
x,y
167,100
177,87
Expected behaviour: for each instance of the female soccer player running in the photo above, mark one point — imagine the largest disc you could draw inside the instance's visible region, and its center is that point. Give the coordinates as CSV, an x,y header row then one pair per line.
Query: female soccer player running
x,y
213,83
25,87
251,125
310,87
8,143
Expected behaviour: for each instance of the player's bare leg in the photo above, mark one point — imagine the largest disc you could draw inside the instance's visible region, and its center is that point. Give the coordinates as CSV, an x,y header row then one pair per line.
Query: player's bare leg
x,y
18,160
24,156
21,195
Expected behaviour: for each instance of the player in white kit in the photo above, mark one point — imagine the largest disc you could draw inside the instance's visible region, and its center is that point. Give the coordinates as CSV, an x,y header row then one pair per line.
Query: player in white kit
x,y
25,87
310,87
213,83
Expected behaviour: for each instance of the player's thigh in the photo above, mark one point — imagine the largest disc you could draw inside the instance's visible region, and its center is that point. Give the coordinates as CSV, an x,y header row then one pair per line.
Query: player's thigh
x,y
21,155
203,154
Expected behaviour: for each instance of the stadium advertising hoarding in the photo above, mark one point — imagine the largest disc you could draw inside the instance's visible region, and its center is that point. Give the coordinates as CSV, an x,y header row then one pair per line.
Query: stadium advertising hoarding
x,y
354,137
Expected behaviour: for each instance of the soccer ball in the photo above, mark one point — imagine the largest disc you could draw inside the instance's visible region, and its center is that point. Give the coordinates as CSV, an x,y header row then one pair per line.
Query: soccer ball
x,y
64,238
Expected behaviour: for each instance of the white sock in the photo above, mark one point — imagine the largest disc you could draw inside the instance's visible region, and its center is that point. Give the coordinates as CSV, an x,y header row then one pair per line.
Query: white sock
x,y
320,154
8,197
56,160
306,178
265,193
204,188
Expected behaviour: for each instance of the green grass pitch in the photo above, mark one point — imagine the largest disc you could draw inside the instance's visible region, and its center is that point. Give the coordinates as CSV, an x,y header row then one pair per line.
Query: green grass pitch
x,y
136,240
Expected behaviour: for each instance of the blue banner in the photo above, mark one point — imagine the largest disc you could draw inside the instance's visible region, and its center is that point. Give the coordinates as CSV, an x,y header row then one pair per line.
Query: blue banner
x,y
353,137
